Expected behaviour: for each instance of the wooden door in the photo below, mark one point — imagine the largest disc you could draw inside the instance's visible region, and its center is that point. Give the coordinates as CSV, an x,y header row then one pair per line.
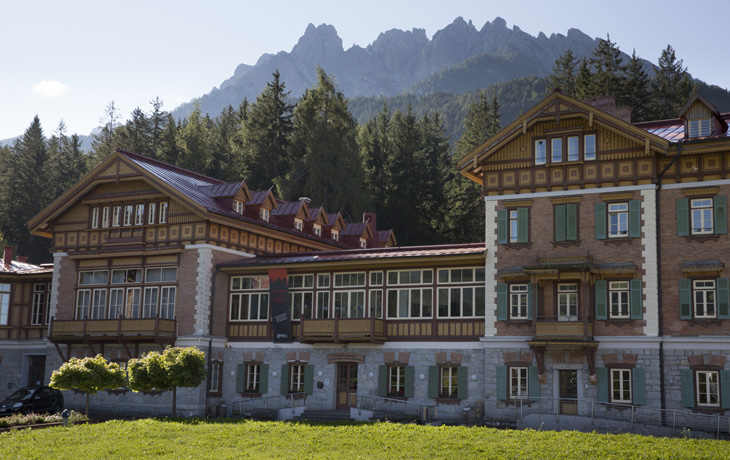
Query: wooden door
x,y
569,392
346,385
36,371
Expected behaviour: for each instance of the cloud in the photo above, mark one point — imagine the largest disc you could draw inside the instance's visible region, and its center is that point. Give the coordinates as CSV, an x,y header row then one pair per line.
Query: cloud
x,y
50,88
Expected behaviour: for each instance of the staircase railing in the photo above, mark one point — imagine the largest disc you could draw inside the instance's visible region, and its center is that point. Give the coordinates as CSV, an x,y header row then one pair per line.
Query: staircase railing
x,y
423,412
248,406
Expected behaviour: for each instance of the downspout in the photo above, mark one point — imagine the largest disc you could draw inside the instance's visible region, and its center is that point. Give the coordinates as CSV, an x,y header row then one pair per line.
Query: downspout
x,y
210,342
662,388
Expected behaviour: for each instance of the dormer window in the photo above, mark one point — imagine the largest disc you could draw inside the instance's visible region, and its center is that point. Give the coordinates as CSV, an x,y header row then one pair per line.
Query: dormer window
x,y
265,214
238,206
336,235
298,224
363,243
317,229
700,127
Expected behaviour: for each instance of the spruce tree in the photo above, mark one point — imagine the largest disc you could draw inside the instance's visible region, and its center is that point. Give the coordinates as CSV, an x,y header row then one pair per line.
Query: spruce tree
x,y
158,123
584,87
636,89
375,145
670,87
194,142
564,73
104,142
608,69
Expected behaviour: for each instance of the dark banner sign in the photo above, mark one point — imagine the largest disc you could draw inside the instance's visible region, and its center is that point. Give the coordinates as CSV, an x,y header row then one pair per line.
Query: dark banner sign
x,y
279,295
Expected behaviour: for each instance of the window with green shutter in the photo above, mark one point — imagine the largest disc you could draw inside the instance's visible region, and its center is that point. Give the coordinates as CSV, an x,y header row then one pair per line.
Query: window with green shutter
x,y
566,222
601,384
502,226
685,299
723,298
725,388
533,385
720,208
682,217
638,386
702,216
637,306
502,301
502,383
601,299
688,388
462,382
512,226
600,218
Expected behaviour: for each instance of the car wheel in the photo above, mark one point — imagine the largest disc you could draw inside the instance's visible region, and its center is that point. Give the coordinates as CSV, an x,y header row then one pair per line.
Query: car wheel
x,y
56,408
27,410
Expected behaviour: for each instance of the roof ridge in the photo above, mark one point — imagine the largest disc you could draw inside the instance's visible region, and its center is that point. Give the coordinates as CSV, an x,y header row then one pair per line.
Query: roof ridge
x,y
168,166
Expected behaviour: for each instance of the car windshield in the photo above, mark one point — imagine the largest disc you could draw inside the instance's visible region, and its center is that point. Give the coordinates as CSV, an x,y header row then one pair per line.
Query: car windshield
x,y
21,394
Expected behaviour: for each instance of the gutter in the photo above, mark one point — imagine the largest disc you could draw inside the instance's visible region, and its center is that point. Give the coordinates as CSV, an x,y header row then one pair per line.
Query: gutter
x,y
210,343
662,379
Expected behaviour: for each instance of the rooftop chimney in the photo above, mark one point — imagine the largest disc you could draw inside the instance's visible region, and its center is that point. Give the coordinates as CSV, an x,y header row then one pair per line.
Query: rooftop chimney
x,y
371,219
22,259
305,199
608,105
8,256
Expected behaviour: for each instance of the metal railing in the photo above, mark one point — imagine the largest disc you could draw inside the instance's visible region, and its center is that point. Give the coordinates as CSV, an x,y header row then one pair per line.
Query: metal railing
x,y
292,400
621,412
423,412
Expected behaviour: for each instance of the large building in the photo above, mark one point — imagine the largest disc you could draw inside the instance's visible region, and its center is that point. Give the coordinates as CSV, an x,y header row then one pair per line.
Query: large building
x,y
601,280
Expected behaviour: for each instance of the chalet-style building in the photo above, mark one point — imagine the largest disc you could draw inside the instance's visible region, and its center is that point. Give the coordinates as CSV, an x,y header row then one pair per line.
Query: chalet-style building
x,y
606,245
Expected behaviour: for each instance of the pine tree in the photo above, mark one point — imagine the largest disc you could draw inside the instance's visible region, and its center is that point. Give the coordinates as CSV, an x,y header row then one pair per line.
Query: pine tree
x,y
168,150
608,69
158,123
564,73
327,165
636,89
584,88
104,143
375,144
670,87
194,143
136,134
226,125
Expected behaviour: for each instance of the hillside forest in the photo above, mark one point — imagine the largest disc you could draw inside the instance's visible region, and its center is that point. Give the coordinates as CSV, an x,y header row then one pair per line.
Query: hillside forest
x,y
395,158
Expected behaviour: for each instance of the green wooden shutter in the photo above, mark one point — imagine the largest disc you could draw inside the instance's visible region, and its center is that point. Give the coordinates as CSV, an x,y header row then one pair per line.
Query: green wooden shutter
x,y
462,382
502,307
723,298
571,222
410,389
638,386
560,223
635,219
241,378
284,387
688,388
720,206
601,312
725,389
531,301
600,221
601,384
309,379
533,383
383,381
502,227
522,225
685,299
264,379
502,383
682,217
433,382
637,308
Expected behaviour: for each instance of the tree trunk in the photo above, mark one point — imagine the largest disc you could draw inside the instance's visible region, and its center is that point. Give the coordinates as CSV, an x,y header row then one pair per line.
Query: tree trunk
x,y
87,403
174,401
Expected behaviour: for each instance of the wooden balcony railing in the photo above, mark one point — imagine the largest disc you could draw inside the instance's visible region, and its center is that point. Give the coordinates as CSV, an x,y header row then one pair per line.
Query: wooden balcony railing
x,y
551,328
111,329
25,332
342,330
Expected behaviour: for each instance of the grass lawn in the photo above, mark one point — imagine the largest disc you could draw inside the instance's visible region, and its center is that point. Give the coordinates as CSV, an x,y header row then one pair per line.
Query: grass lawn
x,y
248,440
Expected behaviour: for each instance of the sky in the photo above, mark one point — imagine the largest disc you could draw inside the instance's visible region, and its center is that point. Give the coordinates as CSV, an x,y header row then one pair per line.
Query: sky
x,y
69,60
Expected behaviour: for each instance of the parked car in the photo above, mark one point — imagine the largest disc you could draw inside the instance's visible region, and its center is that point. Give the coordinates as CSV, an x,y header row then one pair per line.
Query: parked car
x,y
32,399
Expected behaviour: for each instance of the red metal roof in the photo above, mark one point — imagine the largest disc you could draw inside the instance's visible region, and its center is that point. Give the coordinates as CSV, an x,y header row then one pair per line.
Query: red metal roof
x,y
23,268
222,190
287,208
360,254
673,129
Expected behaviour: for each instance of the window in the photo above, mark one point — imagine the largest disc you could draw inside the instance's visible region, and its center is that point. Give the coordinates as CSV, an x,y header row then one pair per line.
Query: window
x,y
461,275
161,275
567,302
699,127
376,278
589,146
296,378
317,229
298,224
461,302
265,214
215,377
323,280
300,304
376,303
349,279
618,299
151,213
708,388
396,381
446,382
349,304
410,277
93,277
105,217
127,276
618,220
518,383
117,216
95,218
39,304
139,214
116,303
238,206
253,378
249,307
323,304
149,308
4,303
512,226
363,243
410,303
48,303
167,302
566,222
300,281
573,151
128,215
335,235
518,301
163,213
449,379
704,298
702,216
621,386
556,150
540,157
83,300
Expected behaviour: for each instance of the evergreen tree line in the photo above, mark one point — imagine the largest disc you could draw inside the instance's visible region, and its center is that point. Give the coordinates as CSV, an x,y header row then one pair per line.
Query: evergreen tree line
x,y
604,73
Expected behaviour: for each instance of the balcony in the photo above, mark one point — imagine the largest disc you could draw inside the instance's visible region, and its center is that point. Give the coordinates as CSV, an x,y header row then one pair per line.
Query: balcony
x,y
362,330
554,330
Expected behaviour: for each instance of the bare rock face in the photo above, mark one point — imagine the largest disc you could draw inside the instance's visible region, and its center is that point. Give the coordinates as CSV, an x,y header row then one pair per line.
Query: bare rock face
x,y
400,60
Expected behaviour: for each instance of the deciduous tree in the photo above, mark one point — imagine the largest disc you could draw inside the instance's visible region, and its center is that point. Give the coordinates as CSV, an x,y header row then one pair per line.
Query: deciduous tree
x,y
89,375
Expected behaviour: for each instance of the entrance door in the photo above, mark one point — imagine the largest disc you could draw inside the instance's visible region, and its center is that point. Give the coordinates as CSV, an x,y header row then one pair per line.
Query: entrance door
x,y
36,371
568,392
346,385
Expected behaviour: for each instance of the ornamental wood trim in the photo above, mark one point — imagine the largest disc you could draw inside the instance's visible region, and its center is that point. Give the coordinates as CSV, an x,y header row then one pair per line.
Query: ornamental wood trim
x,y
564,200
701,191
517,203
617,196
561,330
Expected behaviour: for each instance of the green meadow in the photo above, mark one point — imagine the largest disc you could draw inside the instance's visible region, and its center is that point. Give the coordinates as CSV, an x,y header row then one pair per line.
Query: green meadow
x,y
201,439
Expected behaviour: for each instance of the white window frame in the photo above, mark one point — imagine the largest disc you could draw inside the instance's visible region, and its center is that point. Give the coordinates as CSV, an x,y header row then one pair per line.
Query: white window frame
x,y
573,148
349,279
151,213
589,147
363,243
518,301
618,220
707,384
4,303
317,229
448,381
151,301
83,303
39,305
699,127
467,295
265,214
253,378
518,382
376,303
128,211
514,225
301,304
116,302
117,216
396,381
95,218
163,213
322,310
296,378
540,151
238,206
168,295
105,217
410,277
568,302
350,304
621,390
139,214
133,303
556,145
403,303
298,224
619,299
335,235
702,216
215,377
240,306
704,296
